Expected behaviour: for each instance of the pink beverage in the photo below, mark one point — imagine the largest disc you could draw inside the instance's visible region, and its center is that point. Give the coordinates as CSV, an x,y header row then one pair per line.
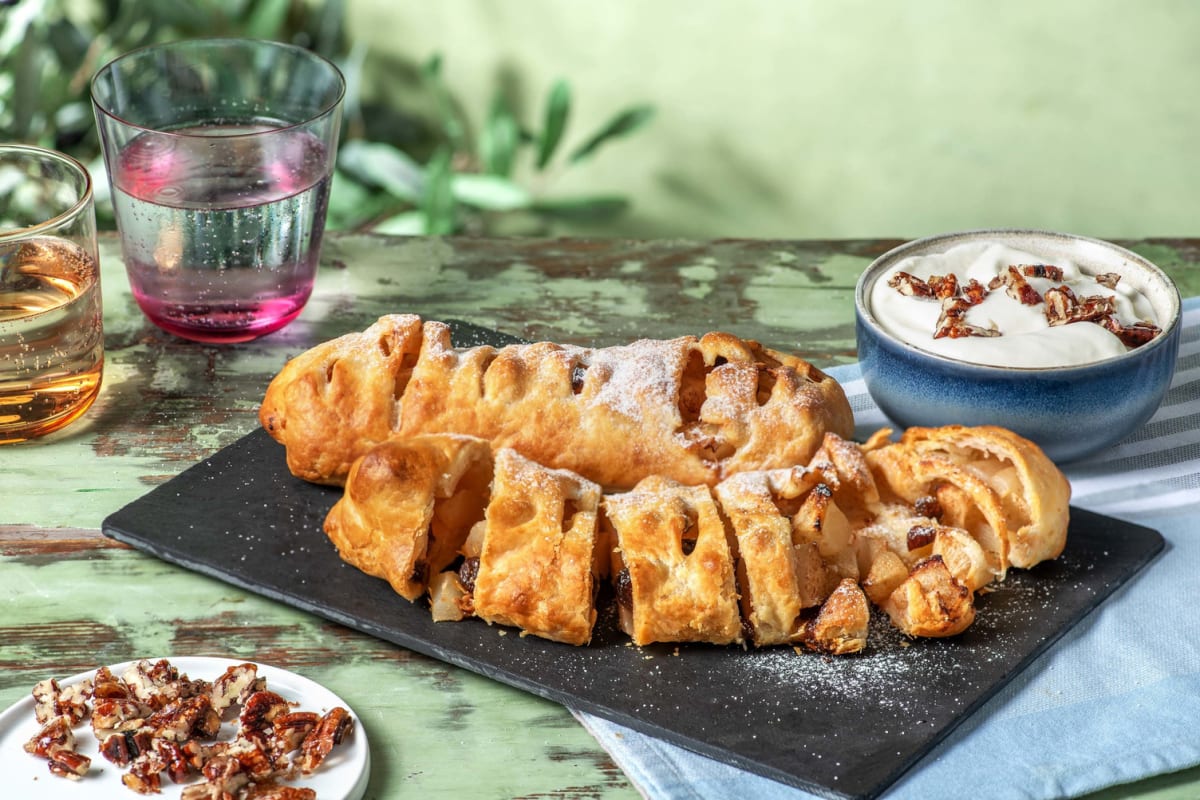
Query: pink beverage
x,y
51,335
220,228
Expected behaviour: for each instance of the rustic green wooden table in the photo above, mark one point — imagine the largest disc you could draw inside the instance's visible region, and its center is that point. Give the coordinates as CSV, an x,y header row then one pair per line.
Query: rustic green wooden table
x,y
71,599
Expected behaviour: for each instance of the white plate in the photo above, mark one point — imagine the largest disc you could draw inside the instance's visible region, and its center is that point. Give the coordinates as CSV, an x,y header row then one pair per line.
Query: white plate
x,y
342,776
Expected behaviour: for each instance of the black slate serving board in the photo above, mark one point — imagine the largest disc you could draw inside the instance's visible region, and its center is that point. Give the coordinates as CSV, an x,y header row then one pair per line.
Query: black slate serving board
x,y
840,727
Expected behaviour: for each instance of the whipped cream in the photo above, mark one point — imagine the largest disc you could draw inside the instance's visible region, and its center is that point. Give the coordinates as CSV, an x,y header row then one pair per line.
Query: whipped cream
x,y
1014,334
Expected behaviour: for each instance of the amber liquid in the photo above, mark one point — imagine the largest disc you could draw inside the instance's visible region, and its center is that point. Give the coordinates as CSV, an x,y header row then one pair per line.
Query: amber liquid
x,y
51,336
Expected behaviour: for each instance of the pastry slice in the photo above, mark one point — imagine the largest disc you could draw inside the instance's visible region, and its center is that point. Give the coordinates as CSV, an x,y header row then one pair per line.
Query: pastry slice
x,y
538,560
334,402
900,537
675,575
1034,494
408,507
793,546
947,492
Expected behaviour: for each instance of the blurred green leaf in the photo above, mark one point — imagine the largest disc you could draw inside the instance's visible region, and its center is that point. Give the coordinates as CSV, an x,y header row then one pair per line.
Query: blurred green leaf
x,y
70,45
266,18
558,108
451,124
489,192
382,165
432,68
17,22
622,124
499,139
27,80
410,223
331,29
354,205
597,208
48,49
437,203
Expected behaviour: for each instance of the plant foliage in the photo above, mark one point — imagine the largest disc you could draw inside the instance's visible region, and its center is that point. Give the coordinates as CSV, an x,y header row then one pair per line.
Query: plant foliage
x,y
414,164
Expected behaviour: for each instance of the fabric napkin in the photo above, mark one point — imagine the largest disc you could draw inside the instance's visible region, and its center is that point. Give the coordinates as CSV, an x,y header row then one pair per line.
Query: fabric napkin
x,y
1115,700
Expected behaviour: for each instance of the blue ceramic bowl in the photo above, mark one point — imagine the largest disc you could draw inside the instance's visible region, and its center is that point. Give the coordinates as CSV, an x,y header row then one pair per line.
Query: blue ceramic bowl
x,y
1071,412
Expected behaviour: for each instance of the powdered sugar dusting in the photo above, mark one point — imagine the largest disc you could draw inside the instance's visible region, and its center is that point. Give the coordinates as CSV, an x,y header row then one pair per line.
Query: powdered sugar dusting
x,y
646,368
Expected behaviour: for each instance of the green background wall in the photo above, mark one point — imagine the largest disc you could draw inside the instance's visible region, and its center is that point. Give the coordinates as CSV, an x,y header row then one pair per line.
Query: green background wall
x,y
859,118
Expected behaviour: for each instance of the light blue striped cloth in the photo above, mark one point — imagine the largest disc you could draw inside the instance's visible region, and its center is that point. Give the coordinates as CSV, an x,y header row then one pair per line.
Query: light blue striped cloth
x,y
1116,700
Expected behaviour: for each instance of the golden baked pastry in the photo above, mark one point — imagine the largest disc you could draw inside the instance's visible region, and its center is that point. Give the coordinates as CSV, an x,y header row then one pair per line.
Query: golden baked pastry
x,y
840,626
674,576
931,602
998,486
408,507
1034,495
331,404
793,546
538,563
738,507
690,409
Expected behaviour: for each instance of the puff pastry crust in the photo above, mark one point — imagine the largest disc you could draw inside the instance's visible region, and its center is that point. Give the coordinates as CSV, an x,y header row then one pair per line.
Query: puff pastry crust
x,y
692,409
792,545
675,578
537,570
409,505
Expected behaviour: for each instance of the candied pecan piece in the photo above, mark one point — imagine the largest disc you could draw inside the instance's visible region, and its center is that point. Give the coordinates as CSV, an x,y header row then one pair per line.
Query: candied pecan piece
x,y
1064,307
66,763
118,714
175,762
330,731
1016,286
952,321
910,285
1108,280
974,292
275,791
259,712
1134,335
1047,271
51,700
123,747
235,684
253,757
184,718
106,686
145,774
290,730
56,732
944,286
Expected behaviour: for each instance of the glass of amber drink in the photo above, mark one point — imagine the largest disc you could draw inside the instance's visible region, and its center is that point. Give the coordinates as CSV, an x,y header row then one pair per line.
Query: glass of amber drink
x,y
51,332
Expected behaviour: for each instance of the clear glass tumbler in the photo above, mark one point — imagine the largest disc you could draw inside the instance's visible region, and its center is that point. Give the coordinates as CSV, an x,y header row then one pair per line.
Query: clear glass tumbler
x,y
51,321
220,153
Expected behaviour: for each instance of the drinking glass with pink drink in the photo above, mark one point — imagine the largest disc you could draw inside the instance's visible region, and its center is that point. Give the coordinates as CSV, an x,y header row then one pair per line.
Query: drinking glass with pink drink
x,y
220,154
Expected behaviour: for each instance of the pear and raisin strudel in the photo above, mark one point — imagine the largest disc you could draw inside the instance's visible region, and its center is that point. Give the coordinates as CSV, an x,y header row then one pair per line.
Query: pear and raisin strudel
x,y
497,536
692,409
